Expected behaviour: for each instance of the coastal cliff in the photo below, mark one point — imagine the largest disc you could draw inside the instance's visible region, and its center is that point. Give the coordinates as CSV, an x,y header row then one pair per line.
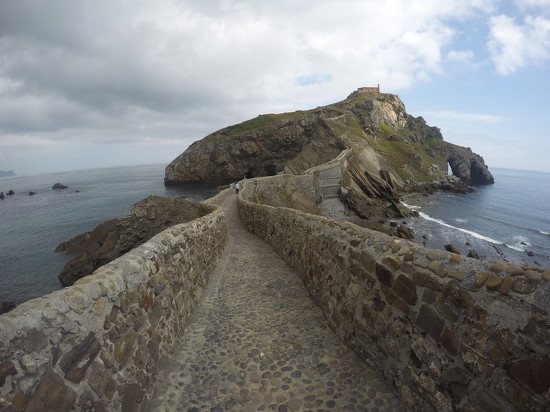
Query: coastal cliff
x,y
390,147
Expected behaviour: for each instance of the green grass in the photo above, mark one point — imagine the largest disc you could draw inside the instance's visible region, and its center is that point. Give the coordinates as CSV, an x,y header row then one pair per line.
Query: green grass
x,y
400,154
259,122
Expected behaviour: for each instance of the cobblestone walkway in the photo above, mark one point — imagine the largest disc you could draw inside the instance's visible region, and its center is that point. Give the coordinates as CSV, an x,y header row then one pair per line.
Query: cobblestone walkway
x,y
257,342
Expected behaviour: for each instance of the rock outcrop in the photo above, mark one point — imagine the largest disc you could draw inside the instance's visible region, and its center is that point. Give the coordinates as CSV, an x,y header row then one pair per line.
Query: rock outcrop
x,y
59,186
262,146
115,237
467,165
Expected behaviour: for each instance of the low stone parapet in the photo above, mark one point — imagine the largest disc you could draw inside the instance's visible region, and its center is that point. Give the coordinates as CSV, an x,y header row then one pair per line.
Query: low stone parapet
x,y
98,344
449,332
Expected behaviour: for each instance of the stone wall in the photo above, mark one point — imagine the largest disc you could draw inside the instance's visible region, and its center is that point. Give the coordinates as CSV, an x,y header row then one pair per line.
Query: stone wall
x,y
98,344
449,332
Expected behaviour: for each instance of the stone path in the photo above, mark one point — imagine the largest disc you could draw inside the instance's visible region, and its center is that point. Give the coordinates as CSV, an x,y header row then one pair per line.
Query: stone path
x,y
257,342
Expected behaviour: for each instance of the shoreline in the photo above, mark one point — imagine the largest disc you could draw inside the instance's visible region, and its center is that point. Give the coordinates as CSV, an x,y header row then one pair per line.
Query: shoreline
x,y
435,233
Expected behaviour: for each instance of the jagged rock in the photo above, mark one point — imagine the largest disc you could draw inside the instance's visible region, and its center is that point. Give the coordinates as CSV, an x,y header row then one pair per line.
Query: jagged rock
x,y
404,232
59,186
113,238
473,254
10,192
445,183
2,195
31,193
452,249
468,166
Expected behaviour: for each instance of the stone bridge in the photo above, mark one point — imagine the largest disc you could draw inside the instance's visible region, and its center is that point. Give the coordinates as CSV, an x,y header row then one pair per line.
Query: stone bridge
x,y
255,307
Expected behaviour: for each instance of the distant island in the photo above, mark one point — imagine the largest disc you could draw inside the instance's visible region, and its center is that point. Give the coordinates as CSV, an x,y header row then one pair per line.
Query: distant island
x,y
7,173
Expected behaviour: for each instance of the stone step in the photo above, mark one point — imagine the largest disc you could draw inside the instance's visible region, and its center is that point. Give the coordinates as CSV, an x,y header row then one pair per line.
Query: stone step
x,y
332,190
331,180
324,197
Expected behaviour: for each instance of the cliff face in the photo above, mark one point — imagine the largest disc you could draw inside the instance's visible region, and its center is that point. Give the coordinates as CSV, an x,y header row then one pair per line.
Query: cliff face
x,y
390,148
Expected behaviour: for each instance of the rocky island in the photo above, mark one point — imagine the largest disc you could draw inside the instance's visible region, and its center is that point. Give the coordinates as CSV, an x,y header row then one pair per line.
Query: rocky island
x,y
7,173
390,153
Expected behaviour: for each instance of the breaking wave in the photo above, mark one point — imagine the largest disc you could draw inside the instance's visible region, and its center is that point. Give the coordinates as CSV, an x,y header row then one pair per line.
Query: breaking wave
x,y
470,232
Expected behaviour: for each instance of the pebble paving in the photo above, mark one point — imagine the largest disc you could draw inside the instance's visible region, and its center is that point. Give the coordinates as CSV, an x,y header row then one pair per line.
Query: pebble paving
x,y
258,343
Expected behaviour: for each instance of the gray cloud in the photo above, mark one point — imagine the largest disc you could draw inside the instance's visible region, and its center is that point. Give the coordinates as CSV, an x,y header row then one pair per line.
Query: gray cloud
x,y
172,70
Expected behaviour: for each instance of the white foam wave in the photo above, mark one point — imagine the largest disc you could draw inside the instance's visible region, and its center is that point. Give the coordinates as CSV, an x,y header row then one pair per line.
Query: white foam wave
x,y
521,243
411,206
474,234
542,232
515,247
461,220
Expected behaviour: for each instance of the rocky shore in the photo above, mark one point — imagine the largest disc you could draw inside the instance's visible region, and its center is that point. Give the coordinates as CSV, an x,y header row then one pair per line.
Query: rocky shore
x,y
113,238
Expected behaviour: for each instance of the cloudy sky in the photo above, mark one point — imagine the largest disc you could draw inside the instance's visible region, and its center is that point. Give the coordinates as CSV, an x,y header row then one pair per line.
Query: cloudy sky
x,y
87,84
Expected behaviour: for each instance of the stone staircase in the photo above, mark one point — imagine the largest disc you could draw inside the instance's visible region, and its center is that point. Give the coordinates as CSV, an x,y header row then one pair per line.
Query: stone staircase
x,y
329,182
329,177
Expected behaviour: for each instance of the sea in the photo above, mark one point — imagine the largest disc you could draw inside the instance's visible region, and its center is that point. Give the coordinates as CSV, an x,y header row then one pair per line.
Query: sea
x,y
31,227
508,220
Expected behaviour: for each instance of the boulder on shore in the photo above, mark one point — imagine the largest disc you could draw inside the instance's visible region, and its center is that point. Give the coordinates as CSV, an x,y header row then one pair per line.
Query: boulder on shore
x,y
59,186
115,237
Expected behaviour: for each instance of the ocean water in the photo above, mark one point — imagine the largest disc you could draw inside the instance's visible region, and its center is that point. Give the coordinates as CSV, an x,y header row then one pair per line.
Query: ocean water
x,y
509,220
502,221
32,226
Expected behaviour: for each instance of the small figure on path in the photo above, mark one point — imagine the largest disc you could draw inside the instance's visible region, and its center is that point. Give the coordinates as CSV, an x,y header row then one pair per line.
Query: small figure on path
x,y
237,188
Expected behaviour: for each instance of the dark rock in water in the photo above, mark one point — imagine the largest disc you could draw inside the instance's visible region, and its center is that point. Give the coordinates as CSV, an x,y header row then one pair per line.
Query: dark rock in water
x,y
31,193
473,254
7,173
11,192
2,195
59,186
452,249
6,307
529,253
115,237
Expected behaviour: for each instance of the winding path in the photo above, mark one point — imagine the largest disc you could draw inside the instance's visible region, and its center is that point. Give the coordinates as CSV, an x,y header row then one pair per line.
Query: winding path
x,y
257,342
